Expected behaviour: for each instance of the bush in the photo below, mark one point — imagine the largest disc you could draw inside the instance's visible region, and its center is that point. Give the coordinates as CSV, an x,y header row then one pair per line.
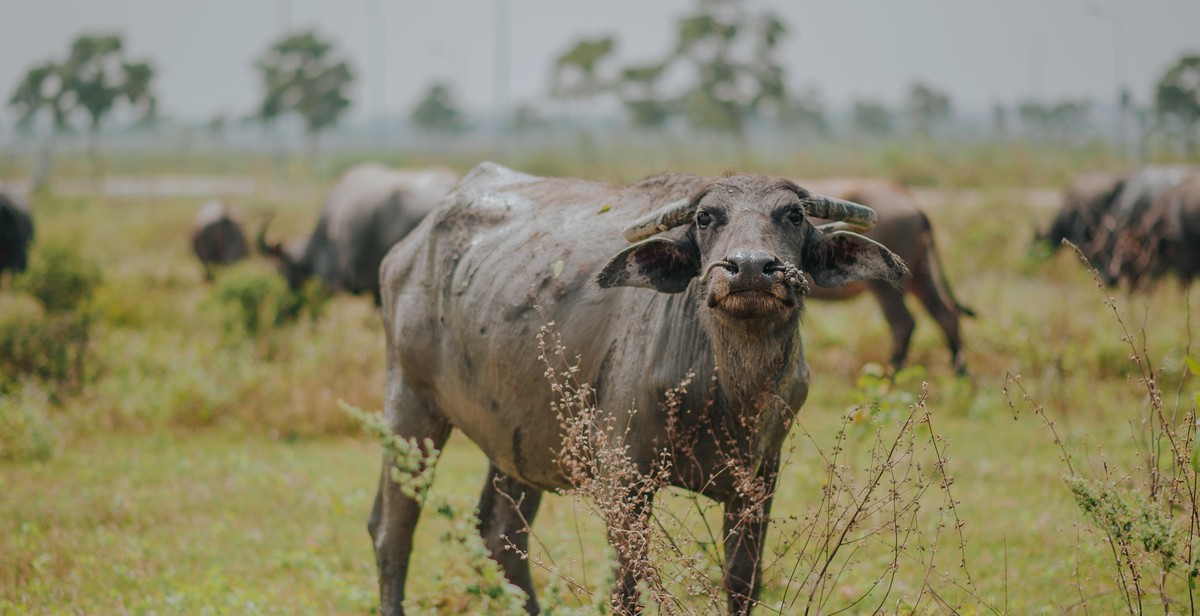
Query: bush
x,y
53,347
250,301
26,432
60,279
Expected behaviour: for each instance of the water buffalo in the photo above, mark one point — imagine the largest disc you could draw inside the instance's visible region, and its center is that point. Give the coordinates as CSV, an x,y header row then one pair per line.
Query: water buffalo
x,y
1086,203
217,237
907,232
16,231
1122,251
367,211
712,288
1171,232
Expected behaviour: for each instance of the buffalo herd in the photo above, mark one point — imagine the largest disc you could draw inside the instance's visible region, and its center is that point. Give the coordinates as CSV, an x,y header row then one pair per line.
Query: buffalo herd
x,y
671,279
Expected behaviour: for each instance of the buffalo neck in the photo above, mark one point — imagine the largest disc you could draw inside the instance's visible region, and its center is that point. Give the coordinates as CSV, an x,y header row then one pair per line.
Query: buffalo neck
x,y
754,361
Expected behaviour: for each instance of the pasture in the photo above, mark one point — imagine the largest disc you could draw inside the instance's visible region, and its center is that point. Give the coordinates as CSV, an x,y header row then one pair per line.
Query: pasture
x,y
198,460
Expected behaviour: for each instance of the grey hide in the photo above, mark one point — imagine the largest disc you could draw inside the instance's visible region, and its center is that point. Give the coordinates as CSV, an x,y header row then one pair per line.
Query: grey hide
x,y
367,211
461,298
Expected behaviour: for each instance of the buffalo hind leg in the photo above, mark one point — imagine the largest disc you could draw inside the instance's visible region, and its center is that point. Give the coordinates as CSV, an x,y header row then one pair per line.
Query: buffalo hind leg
x,y
900,320
943,310
394,514
745,532
504,526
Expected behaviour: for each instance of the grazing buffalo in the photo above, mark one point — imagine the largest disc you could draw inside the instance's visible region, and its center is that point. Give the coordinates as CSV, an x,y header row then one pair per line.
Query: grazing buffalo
x,y
1086,203
16,231
1122,251
713,289
367,211
217,237
1171,231
907,232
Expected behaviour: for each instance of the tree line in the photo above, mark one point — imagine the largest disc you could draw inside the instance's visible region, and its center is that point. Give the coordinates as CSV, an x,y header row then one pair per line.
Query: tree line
x,y
722,74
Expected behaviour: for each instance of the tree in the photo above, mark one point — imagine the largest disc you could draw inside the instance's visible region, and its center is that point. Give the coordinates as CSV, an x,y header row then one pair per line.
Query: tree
x,y
98,75
302,75
577,72
94,77
527,119
732,54
999,120
872,118
806,112
438,111
927,107
638,91
1177,98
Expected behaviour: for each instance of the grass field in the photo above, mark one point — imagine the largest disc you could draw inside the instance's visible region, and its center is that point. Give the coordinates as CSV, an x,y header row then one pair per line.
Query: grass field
x,y
200,467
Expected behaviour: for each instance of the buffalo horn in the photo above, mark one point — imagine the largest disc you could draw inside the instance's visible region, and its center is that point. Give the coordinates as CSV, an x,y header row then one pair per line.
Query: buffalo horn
x,y
667,217
857,217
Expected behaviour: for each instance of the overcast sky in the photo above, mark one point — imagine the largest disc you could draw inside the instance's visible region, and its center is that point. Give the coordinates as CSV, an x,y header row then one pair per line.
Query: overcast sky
x,y
980,51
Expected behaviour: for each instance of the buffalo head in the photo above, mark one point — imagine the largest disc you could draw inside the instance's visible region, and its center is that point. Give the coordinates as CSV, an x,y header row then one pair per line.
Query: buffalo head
x,y
289,260
750,240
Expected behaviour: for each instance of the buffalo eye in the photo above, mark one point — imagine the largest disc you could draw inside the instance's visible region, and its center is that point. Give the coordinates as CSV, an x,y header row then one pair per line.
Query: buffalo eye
x,y
703,219
795,216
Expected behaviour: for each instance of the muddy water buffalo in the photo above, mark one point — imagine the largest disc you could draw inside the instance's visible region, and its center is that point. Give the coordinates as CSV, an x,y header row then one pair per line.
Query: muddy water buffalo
x,y
217,237
1123,251
16,230
367,211
712,288
1086,203
1170,233
907,232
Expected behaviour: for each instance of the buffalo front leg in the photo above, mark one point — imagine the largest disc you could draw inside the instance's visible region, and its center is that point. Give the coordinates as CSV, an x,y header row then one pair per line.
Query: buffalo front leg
x,y
746,519
628,534
394,515
506,510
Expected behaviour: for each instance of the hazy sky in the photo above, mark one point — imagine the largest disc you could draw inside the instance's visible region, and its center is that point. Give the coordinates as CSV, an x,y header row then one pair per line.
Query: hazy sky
x,y
980,51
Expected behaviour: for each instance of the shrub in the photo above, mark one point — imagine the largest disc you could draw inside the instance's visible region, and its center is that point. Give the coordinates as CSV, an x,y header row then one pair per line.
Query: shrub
x,y
52,347
251,301
60,279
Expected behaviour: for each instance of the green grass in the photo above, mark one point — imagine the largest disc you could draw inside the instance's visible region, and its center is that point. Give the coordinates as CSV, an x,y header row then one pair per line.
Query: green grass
x,y
201,471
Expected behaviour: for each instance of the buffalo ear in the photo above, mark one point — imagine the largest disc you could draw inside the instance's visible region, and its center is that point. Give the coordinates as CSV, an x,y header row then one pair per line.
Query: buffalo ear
x,y
657,263
841,257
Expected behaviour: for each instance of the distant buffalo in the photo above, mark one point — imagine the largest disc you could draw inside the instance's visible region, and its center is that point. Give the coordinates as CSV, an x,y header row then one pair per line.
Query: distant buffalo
x,y
1087,203
907,232
16,231
217,237
1170,233
369,209
1124,251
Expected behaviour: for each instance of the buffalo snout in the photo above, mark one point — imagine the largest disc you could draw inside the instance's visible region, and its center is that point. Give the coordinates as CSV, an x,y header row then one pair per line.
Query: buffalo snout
x,y
750,285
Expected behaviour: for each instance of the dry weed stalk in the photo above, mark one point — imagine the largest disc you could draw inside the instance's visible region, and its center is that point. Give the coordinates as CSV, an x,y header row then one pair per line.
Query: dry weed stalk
x,y
862,511
1148,516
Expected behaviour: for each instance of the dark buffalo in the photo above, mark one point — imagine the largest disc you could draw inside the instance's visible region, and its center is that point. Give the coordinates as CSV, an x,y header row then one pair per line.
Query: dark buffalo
x,y
1086,203
367,211
716,292
16,231
1122,251
907,232
217,237
1170,233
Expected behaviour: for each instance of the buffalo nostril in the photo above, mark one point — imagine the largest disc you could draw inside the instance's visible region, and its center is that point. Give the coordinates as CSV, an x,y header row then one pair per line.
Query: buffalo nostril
x,y
774,267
